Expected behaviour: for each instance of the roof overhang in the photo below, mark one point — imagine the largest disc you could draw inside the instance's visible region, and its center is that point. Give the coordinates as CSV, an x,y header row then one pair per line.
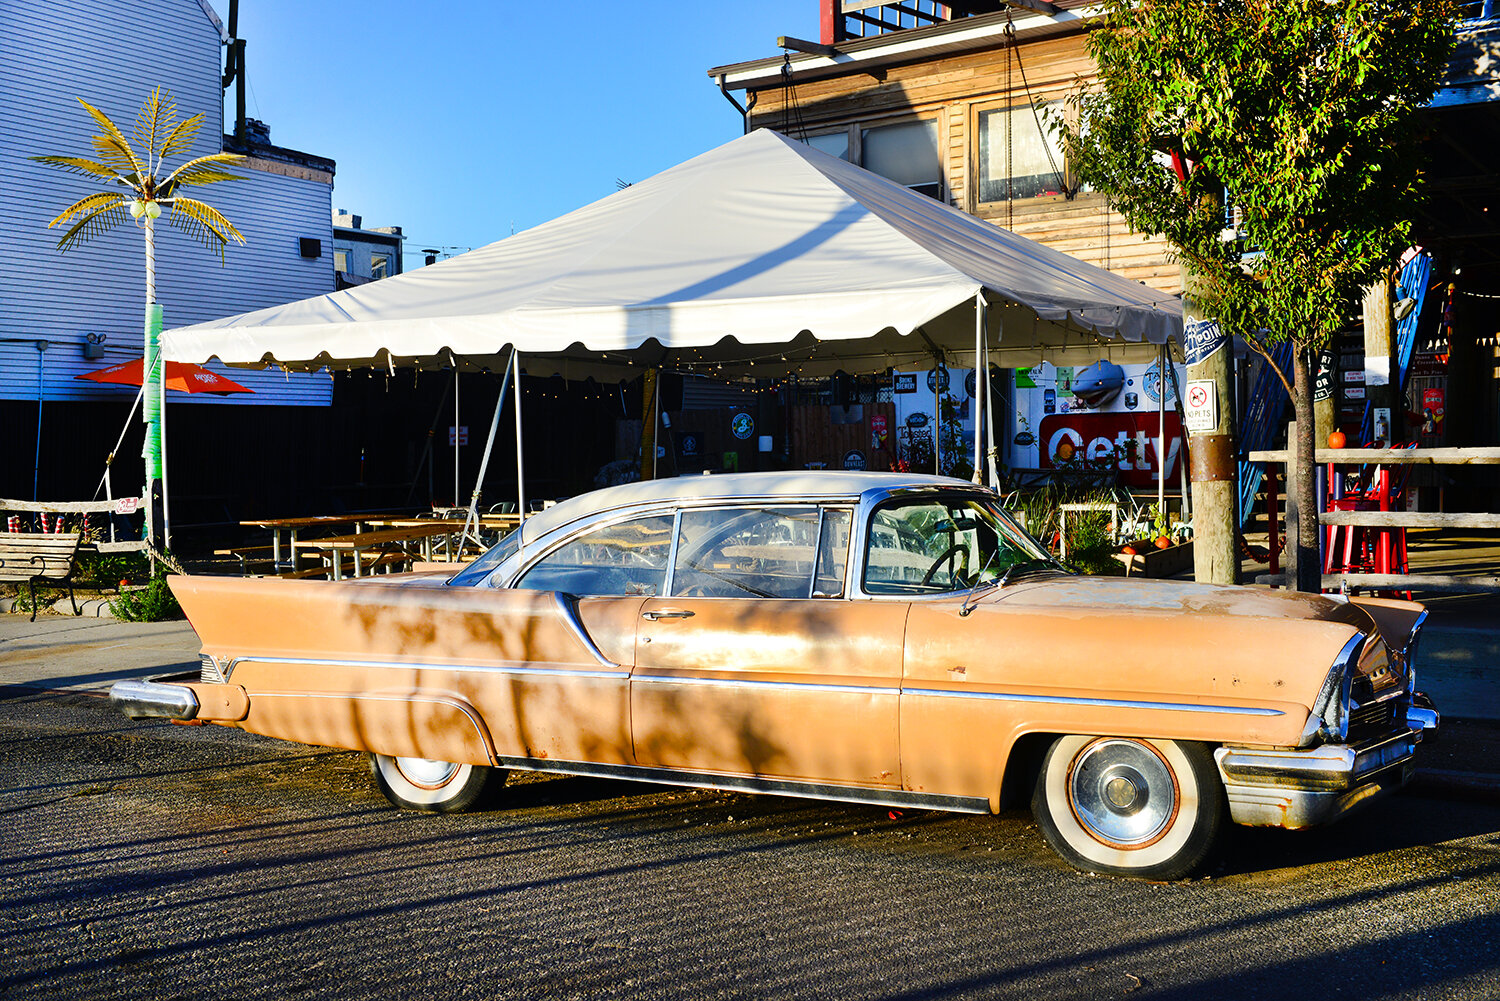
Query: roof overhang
x,y
861,55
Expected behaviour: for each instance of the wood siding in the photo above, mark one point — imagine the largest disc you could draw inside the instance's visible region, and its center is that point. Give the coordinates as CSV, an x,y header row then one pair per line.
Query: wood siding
x,y
57,52
953,91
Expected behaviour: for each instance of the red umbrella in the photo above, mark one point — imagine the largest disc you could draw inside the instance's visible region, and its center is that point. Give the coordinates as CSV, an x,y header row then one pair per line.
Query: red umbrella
x,y
181,375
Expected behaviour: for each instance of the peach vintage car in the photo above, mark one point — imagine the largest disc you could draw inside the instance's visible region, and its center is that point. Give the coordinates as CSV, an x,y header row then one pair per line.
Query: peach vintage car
x,y
872,638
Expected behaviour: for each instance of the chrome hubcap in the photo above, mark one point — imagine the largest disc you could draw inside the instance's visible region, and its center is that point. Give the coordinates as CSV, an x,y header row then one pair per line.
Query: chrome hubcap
x,y
1122,792
425,772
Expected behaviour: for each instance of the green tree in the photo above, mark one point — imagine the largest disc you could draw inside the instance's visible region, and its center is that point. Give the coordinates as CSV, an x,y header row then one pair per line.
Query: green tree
x,y
1301,114
138,189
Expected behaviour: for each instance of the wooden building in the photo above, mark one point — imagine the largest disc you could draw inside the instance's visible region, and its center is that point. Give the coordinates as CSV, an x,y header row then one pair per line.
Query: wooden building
x,y
953,104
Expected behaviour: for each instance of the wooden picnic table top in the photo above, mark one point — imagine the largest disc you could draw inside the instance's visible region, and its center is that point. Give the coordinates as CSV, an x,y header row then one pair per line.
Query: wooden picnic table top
x,y
485,521
310,521
372,538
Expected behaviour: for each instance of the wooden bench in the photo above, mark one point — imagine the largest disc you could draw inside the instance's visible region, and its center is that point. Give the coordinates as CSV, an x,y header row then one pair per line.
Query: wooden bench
x,y
40,559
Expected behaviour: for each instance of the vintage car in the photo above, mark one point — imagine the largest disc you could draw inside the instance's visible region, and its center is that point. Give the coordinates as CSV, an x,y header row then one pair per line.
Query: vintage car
x,y
873,638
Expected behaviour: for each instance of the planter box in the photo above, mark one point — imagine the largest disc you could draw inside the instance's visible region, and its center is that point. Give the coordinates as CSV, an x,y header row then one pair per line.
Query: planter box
x,y
1149,561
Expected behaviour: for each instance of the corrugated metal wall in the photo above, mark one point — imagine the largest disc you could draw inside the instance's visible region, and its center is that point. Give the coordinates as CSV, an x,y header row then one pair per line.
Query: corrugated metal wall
x,y
112,53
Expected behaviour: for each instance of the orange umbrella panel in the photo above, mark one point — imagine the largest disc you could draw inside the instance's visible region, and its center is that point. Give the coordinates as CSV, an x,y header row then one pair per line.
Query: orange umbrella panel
x,y
182,376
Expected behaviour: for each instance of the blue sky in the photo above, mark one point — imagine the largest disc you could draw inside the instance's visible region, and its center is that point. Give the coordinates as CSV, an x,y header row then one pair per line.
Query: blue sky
x,y
460,120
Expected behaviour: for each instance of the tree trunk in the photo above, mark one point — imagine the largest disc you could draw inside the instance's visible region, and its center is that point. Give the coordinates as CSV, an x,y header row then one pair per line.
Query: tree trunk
x,y
1305,476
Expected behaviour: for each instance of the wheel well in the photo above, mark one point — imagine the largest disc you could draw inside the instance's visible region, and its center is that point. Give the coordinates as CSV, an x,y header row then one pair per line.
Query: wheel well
x,y
1022,768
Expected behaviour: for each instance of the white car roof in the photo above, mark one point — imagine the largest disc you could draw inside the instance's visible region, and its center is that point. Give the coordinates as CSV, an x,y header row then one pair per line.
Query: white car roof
x,y
796,485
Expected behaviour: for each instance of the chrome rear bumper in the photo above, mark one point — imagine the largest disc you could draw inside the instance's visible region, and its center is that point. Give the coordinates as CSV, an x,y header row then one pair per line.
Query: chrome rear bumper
x,y
153,700
1317,785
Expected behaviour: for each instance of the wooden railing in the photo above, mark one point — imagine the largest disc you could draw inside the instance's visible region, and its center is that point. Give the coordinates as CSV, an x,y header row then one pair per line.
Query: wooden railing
x,y
1391,519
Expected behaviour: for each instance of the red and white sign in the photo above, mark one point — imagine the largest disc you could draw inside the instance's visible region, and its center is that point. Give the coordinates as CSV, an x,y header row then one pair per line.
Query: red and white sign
x,y
1200,407
127,505
1125,441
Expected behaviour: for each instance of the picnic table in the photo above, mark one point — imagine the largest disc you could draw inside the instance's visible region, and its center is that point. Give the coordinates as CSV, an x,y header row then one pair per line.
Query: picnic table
x,y
292,526
383,543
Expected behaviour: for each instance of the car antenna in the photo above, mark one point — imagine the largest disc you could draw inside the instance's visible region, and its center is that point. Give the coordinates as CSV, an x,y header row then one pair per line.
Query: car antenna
x,y
979,582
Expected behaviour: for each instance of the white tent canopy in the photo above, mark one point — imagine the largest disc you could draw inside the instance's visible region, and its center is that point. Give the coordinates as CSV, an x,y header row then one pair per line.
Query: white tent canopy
x,y
763,250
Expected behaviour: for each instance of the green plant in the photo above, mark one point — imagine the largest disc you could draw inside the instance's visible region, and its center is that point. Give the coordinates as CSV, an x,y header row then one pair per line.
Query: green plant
x,y
152,603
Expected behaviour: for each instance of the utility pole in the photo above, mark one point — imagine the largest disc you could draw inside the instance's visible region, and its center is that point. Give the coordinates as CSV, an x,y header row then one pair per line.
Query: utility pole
x,y
1214,473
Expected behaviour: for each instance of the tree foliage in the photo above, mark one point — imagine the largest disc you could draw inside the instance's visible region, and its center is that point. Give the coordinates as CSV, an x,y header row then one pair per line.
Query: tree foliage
x,y
1302,113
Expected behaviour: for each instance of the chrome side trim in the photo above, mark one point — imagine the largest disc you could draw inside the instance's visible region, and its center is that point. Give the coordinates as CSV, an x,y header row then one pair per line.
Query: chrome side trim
x,y
151,700
567,610
753,783
948,693
801,686
506,668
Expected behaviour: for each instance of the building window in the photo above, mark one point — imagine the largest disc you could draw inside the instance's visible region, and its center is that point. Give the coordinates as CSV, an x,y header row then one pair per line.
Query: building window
x,y
341,261
380,265
1019,157
832,143
907,153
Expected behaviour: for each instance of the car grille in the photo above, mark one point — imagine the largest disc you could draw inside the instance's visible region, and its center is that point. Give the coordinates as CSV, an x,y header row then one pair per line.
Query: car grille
x,y
1373,720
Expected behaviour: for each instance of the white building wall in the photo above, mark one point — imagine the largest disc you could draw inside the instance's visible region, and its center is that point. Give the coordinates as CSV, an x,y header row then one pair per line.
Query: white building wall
x,y
112,53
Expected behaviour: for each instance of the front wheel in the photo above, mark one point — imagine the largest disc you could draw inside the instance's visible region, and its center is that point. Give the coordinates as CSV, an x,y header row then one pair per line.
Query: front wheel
x,y
437,786
1130,807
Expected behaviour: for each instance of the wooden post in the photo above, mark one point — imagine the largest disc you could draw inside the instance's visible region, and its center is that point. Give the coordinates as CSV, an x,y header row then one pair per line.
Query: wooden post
x,y
1214,474
1380,369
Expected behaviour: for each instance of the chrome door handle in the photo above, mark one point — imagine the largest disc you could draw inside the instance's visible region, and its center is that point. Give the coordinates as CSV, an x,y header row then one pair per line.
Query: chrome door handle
x,y
667,613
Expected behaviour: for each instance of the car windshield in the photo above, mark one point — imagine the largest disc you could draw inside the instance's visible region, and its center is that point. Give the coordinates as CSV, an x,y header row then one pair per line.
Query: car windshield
x,y
926,545
477,571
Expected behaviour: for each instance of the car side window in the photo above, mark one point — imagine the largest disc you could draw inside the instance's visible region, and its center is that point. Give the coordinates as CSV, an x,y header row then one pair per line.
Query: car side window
x,y
755,552
833,553
625,558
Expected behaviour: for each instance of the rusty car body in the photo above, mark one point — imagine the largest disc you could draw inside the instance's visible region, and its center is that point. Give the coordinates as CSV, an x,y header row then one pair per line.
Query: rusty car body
x,y
876,638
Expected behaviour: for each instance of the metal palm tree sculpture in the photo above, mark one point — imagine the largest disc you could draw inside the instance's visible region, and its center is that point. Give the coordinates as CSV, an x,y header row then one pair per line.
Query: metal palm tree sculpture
x,y
139,191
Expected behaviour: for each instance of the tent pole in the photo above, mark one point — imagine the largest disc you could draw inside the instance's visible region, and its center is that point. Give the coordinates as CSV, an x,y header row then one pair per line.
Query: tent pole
x,y
455,428
515,375
989,417
1161,434
979,348
472,518
166,504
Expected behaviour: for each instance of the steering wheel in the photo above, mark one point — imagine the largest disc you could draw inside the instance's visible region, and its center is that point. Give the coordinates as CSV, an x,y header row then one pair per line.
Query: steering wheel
x,y
947,555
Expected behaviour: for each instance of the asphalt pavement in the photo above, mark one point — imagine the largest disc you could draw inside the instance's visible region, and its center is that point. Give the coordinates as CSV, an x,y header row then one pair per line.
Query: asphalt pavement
x,y
1458,665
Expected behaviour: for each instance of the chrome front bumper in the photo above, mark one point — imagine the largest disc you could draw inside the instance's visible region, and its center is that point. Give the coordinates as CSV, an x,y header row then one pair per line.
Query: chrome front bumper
x,y
1317,785
154,700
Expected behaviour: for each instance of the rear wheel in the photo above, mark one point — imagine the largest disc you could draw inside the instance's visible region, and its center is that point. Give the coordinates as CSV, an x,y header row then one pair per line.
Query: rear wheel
x,y
439,786
1130,807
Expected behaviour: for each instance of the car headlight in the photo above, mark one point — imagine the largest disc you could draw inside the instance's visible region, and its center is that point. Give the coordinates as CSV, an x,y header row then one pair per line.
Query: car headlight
x,y
1409,651
1330,712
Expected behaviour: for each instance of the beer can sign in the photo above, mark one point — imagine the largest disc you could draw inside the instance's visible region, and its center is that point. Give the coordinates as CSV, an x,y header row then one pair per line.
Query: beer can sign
x,y
1201,340
742,426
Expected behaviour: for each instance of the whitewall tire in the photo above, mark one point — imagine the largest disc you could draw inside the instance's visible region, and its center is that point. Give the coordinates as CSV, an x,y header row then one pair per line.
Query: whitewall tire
x,y
1128,806
438,786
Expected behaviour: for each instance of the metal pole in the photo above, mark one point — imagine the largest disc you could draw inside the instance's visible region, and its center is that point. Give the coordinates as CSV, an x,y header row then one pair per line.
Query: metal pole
x,y
41,385
455,428
515,374
1161,434
979,350
484,464
989,404
166,503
